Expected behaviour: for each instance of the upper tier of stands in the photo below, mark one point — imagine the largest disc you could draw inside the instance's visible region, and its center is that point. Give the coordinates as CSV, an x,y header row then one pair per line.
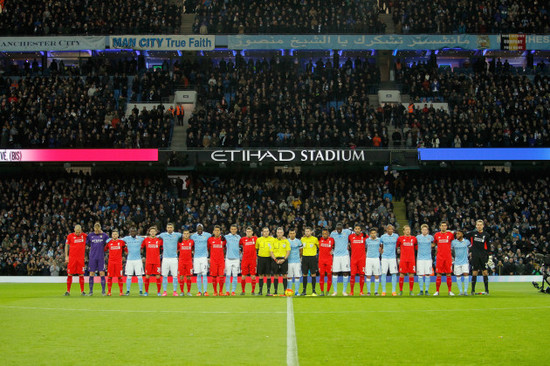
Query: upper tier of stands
x,y
83,17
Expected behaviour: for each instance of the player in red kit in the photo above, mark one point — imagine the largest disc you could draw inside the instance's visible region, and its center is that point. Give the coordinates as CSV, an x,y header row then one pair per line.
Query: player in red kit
x,y
152,246
444,257
358,257
326,245
248,262
406,246
216,248
75,257
185,263
114,267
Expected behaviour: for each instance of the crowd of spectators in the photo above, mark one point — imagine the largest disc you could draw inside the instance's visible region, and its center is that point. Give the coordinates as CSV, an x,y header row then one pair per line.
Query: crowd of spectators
x,y
487,108
515,208
287,16
282,103
471,16
37,211
84,17
61,107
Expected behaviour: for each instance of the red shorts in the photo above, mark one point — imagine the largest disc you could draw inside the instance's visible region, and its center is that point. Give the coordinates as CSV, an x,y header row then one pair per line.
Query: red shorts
x,y
248,267
152,269
75,266
217,268
185,268
114,269
357,266
407,266
325,267
443,264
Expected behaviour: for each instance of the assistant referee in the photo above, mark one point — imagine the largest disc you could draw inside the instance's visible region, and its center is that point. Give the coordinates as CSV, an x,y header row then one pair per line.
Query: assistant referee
x,y
264,245
309,260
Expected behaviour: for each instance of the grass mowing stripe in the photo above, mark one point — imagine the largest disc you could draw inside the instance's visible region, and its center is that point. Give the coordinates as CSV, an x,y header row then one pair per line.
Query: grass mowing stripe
x,y
143,311
291,346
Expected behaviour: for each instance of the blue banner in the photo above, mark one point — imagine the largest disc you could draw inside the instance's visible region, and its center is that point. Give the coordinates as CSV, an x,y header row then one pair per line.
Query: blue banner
x,y
361,42
484,154
163,43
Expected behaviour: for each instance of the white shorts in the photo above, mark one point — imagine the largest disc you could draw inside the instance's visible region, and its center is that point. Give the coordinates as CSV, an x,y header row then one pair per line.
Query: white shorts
x,y
232,267
294,270
372,267
460,269
134,267
169,265
389,264
424,267
340,264
200,265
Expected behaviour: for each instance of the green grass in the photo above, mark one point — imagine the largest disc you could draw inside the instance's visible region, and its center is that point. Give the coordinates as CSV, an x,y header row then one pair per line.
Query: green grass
x,y
40,326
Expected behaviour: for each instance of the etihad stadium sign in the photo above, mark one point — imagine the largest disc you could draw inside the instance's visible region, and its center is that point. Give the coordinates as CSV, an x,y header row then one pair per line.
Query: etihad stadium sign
x,y
289,156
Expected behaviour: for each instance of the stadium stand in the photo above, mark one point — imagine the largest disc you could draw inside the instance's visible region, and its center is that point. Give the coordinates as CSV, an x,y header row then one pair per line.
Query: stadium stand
x,y
494,108
281,103
470,16
62,107
81,17
37,210
288,16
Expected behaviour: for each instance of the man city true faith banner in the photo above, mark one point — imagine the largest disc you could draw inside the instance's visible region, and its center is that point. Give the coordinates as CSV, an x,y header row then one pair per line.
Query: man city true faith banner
x,y
164,43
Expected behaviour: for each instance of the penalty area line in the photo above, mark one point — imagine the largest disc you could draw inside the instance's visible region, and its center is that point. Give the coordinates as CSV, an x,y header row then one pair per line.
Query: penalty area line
x,y
291,345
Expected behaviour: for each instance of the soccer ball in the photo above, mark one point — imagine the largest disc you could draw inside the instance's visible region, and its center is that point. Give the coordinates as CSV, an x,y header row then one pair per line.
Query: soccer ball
x,y
289,292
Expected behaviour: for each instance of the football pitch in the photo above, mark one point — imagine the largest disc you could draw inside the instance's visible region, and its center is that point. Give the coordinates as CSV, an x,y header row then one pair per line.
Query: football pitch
x,y
42,327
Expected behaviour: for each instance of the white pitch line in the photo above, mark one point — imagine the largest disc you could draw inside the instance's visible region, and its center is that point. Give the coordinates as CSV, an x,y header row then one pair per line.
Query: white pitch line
x,y
291,346
141,311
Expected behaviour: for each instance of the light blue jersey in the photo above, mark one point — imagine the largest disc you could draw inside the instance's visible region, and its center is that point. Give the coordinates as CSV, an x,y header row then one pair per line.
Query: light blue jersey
x,y
134,247
170,244
341,242
232,246
373,248
389,243
461,251
295,245
424,247
201,244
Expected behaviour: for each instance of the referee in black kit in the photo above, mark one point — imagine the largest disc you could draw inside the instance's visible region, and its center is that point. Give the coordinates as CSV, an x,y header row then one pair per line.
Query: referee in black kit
x,y
479,242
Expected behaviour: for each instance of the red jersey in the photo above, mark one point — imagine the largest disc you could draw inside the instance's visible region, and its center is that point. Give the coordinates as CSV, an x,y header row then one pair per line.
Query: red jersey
x,y
249,248
77,246
357,242
152,250
408,245
325,249
185,248
443,242
216,248
115,248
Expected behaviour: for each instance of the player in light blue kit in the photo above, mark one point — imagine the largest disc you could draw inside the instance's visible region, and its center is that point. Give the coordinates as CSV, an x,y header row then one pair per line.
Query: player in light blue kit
x,y
389,260
341,262
134,263
294,263
372,263
232,259
462,267
200,259
170,241
424,266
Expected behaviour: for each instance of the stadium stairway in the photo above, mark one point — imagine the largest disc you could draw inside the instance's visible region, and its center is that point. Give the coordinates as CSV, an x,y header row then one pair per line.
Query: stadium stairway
x,y
187,21
400,212
388,21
